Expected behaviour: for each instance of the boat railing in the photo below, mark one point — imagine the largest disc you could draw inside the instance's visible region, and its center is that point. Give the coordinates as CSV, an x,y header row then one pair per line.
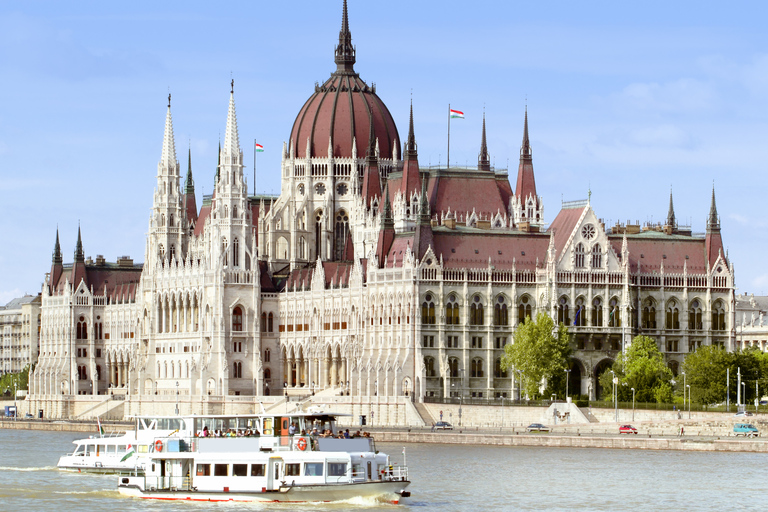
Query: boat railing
x,y
396,473
161,483
300,443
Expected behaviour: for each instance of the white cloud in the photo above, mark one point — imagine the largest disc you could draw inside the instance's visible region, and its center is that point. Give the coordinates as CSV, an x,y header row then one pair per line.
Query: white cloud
x,y
8,295
684,94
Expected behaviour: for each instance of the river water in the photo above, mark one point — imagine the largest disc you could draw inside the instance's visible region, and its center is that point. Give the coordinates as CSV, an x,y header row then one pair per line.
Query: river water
x,y
444,478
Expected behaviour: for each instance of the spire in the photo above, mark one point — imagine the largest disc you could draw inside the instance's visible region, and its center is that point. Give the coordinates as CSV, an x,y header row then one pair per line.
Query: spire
x,y
218,166
410,181
168,156
387,220
190,188
525,150
57,258
483,161
79,254
713,221
671,221
423,204
231,137
410,145
526,182
371,179
345,52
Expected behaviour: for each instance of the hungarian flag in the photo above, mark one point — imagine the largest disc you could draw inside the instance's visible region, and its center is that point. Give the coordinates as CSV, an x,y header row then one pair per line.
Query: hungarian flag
x,y
457,114
128,454
259,148
101,429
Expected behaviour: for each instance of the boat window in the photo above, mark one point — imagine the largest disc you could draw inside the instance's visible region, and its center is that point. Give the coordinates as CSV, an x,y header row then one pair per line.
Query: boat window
x,y
169,424
110,448
292,469
90,449
337,468
120,448
267,427
203,470
258,469
79,450
220,469
143,448
357,471
313,469
239,469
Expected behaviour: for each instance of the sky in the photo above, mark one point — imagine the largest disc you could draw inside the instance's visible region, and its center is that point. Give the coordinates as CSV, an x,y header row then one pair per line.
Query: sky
x,y
626,100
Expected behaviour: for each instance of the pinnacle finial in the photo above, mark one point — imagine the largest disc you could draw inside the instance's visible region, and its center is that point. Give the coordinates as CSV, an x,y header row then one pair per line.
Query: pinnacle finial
x,y
371,142
423,203
410,149
190,188
387,217
525,151
671,213
345,52
57,258
79,254
713,222
232,87
484,160
169,100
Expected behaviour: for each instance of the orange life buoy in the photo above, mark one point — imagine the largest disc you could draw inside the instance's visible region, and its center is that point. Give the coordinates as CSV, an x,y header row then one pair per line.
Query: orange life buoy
x,y
158,446
301,444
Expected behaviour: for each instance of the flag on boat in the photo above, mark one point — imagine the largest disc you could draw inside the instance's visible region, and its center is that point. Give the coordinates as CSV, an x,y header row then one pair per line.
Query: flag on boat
x,y
128,454
456,114
259,148
101,429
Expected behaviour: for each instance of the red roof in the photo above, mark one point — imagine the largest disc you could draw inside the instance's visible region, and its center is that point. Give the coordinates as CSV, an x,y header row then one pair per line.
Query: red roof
x,y
648,250
563,226
466,192
465,249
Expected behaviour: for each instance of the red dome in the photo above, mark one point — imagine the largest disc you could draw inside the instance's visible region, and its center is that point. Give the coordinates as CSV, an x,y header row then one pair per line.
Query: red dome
x,y
342,109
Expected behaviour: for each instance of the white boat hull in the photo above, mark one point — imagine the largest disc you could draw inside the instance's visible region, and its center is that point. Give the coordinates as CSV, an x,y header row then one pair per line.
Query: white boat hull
x,y
389,492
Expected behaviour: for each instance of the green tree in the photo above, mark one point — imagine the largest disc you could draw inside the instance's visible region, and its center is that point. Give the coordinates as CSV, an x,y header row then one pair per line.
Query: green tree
x,y
7,381
539,351
641,367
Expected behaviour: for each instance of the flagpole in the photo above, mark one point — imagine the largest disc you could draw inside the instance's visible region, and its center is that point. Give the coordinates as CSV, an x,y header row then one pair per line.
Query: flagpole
x,y
448,162
254,167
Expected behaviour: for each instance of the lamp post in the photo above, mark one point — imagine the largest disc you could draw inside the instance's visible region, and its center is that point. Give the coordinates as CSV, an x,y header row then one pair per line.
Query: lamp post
x,y
177,398
689,400
633,404
285,393
312,388
461,393
615,397
347,388
567,378
15,407
744,395
684,388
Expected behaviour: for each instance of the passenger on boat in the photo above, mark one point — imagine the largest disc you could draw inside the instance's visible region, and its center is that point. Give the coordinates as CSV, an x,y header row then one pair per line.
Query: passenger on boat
x,y
346,434
205,431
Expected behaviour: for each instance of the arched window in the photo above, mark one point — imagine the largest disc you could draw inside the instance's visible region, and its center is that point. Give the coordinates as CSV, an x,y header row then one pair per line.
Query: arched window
x,y
718,317
234,212
429,365
452,311
170,221
694,316
614,313
523,309
597,256
649,315
673,315
98,372
580,256
318,234
270,323
563,316
340,233
263,322
267,355
238,370
580,319
428,311
236,253
497,371
597,312
500,312
224,251
82,329
237,319
477,367
453,367
476,316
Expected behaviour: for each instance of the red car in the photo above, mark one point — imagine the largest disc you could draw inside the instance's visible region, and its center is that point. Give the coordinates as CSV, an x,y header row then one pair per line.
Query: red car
x,y
627,429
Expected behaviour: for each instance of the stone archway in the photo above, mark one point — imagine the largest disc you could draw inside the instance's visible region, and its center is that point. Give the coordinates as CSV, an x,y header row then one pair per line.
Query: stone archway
x,y
575,377
600,367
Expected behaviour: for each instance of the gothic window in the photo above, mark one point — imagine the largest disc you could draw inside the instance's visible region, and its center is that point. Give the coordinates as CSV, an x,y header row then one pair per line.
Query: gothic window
x,y
238,370
597,256
341,189
580,256
302,248
320,189
477,367
237,319
563,316
161,252
500,312
226,211
523,309
82,329
340,233
476,312
694,316
588,231
234,212
428,342
263,322
597,312
267,355
477,342
614,313
429,365
282,248
452,342
270,322
718,317
497,371
453,367
98,372
673,315
452,311
224,251
428,311
649,315
319,234
162,219
170,220
172,253
236,253
579,319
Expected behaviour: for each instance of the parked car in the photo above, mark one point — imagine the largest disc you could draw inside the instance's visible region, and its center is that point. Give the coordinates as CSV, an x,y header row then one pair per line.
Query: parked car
x,y
537,427
746,430
29,416
443,425
741,414
627,429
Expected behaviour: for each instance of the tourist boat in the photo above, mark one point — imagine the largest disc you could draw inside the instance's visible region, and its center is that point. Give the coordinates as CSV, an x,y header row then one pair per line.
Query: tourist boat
x,y
118,453
266,457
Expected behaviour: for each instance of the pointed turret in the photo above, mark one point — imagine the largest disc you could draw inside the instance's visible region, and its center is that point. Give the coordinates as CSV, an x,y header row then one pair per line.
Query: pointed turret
x,y
371,179
78,267
484,159
387,229
190,204
671,221
168,156
79,254
57,266
57,257
345,52
218,168
423,238
411,180
231,149
526,205
713,239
